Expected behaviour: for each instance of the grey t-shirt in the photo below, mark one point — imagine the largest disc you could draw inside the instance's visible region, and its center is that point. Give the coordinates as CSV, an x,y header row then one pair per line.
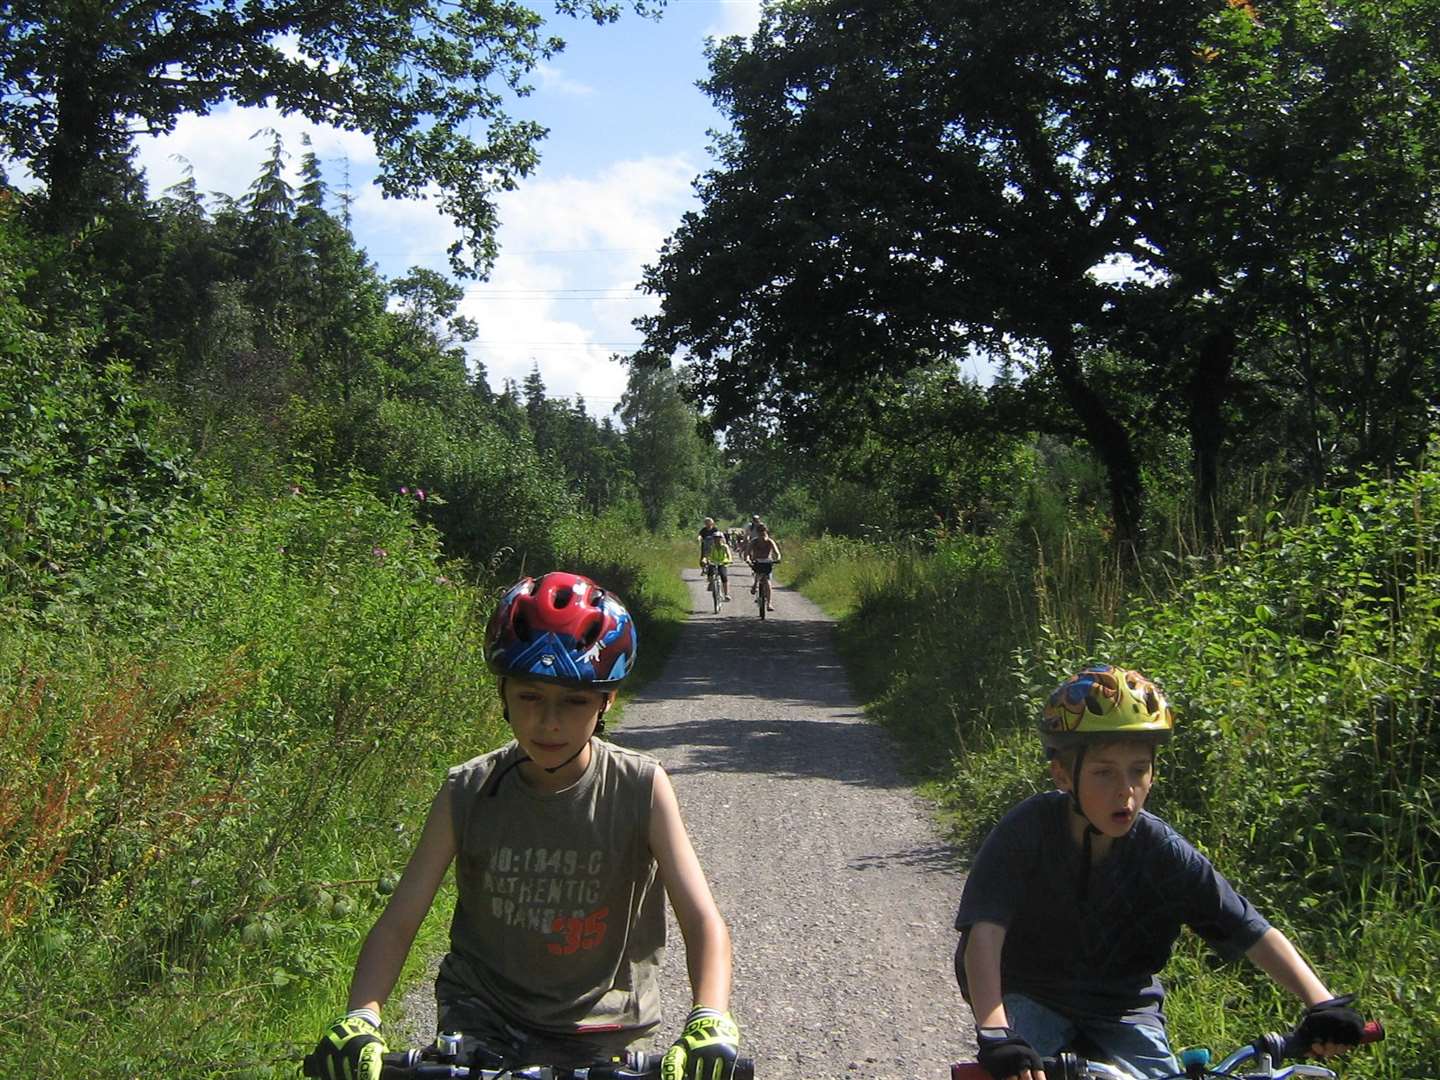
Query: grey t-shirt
x,y
1097,955
559,923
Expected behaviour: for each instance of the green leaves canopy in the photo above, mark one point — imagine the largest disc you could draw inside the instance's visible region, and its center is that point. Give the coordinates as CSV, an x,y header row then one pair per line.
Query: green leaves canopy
x,y
1126,200
424,78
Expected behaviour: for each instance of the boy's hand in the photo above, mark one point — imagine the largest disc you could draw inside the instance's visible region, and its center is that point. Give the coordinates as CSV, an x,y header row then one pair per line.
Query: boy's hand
x,y
1331,1027
1005,1054
706,1049
350,1050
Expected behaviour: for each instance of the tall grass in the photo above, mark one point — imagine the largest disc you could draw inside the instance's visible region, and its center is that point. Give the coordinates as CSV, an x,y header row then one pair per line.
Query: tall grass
x,y
1303,666
207,789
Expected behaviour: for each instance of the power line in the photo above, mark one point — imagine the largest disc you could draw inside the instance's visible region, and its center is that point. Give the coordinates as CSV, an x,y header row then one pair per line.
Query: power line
x,y
555,344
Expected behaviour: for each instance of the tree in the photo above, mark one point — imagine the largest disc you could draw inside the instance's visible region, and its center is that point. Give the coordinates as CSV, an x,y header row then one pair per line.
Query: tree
x,y
666,451
425,79
1075,186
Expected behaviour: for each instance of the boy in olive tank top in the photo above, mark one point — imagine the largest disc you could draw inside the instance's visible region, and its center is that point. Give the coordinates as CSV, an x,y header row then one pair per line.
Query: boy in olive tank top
x,y
561,844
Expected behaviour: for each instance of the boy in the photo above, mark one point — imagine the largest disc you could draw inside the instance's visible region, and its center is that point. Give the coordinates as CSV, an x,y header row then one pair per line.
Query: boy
x,y
708,532
717,561
764,554
558,839
1076,899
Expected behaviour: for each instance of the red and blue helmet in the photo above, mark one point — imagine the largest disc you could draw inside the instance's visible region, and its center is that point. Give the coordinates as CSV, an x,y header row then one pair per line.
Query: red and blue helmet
x,y
561,627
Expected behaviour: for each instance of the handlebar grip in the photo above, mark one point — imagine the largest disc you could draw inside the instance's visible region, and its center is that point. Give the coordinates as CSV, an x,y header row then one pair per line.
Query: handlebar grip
x,y
648,1064
968,1070
1372,1032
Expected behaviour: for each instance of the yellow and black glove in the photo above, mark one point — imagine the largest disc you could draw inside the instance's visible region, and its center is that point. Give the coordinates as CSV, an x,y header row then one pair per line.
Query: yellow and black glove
x,y
350,1050
706,1049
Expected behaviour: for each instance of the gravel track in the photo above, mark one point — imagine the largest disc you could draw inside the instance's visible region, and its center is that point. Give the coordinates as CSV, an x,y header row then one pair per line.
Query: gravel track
x,y
829,870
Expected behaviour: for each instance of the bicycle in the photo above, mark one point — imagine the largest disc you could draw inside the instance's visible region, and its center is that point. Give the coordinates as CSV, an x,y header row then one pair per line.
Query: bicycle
x,y
762,584
438,1062
712,576
1267,1052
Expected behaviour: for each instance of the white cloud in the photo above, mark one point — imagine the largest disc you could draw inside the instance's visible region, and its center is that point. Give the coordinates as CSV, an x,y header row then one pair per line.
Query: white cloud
x,y
736,17
226,154
551,78
563,293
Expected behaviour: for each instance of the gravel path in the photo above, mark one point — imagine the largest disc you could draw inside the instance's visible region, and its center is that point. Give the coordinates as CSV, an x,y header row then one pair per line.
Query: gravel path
x,y
828,869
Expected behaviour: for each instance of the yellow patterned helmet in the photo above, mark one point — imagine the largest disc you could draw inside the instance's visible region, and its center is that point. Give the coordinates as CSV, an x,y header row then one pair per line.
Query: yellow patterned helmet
x,y
1102,703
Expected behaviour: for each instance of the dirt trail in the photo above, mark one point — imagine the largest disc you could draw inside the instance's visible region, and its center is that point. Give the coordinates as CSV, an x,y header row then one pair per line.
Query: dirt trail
x,y
828,869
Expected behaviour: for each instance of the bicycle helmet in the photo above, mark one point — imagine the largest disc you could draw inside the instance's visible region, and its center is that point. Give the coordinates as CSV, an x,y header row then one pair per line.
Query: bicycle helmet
x,y
1101,703
561,627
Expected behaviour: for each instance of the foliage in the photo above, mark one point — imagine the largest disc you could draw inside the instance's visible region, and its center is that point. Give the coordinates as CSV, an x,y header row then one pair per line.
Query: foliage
x,y
1302,668
669,459
203,810
145,65
84,472
1107,199
207,802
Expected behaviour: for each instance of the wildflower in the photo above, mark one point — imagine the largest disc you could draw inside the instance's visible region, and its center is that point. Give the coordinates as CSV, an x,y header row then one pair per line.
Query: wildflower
x,y
420,494
378,552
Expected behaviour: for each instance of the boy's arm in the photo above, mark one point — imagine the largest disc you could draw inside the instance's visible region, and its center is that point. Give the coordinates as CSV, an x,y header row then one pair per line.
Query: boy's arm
x,y
707,940
388,943
1330,1026
1278,958
983,944
1003,1053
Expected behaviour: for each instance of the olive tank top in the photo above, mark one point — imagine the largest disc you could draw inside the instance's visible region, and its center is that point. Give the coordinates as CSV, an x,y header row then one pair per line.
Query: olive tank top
x,y
559,922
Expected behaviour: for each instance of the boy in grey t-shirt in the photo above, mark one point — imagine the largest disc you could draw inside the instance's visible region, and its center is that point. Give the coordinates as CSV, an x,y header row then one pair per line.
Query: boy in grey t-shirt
x,y
1076,899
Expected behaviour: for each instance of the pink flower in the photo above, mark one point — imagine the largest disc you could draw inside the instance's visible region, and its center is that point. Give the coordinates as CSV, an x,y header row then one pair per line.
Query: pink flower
x,y
420,494
378,552
404,490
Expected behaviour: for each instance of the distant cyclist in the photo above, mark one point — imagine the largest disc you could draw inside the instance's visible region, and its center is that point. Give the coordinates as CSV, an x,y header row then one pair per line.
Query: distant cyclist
x,y
764,554
752,530
717,561
708,532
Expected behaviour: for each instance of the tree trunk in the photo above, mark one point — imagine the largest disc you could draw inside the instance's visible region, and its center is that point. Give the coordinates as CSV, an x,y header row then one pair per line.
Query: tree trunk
x,y
71,161
1206,393
1108,435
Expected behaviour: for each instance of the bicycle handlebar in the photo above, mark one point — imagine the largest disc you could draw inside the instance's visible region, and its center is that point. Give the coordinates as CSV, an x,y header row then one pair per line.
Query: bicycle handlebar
x,y
1275,1046
413,1065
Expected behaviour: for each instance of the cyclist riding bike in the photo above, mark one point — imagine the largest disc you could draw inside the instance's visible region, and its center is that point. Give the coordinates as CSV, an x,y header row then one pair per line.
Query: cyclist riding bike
x,y
1076,899
561,843
764,554
717,561
752,529
708,532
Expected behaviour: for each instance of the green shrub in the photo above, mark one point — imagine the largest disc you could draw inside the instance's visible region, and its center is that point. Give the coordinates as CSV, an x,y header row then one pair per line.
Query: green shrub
x,y
84,474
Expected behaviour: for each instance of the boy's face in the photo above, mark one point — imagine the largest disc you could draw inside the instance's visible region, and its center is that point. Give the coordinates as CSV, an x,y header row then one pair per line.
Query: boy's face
x,y
1115,780
552,722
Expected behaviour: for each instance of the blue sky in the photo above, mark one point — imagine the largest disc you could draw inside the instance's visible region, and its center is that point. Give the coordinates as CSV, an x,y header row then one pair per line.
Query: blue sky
x,y
627,138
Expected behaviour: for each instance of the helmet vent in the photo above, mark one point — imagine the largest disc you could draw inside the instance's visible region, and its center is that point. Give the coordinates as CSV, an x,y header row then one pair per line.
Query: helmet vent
x,y
563,597
593,629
